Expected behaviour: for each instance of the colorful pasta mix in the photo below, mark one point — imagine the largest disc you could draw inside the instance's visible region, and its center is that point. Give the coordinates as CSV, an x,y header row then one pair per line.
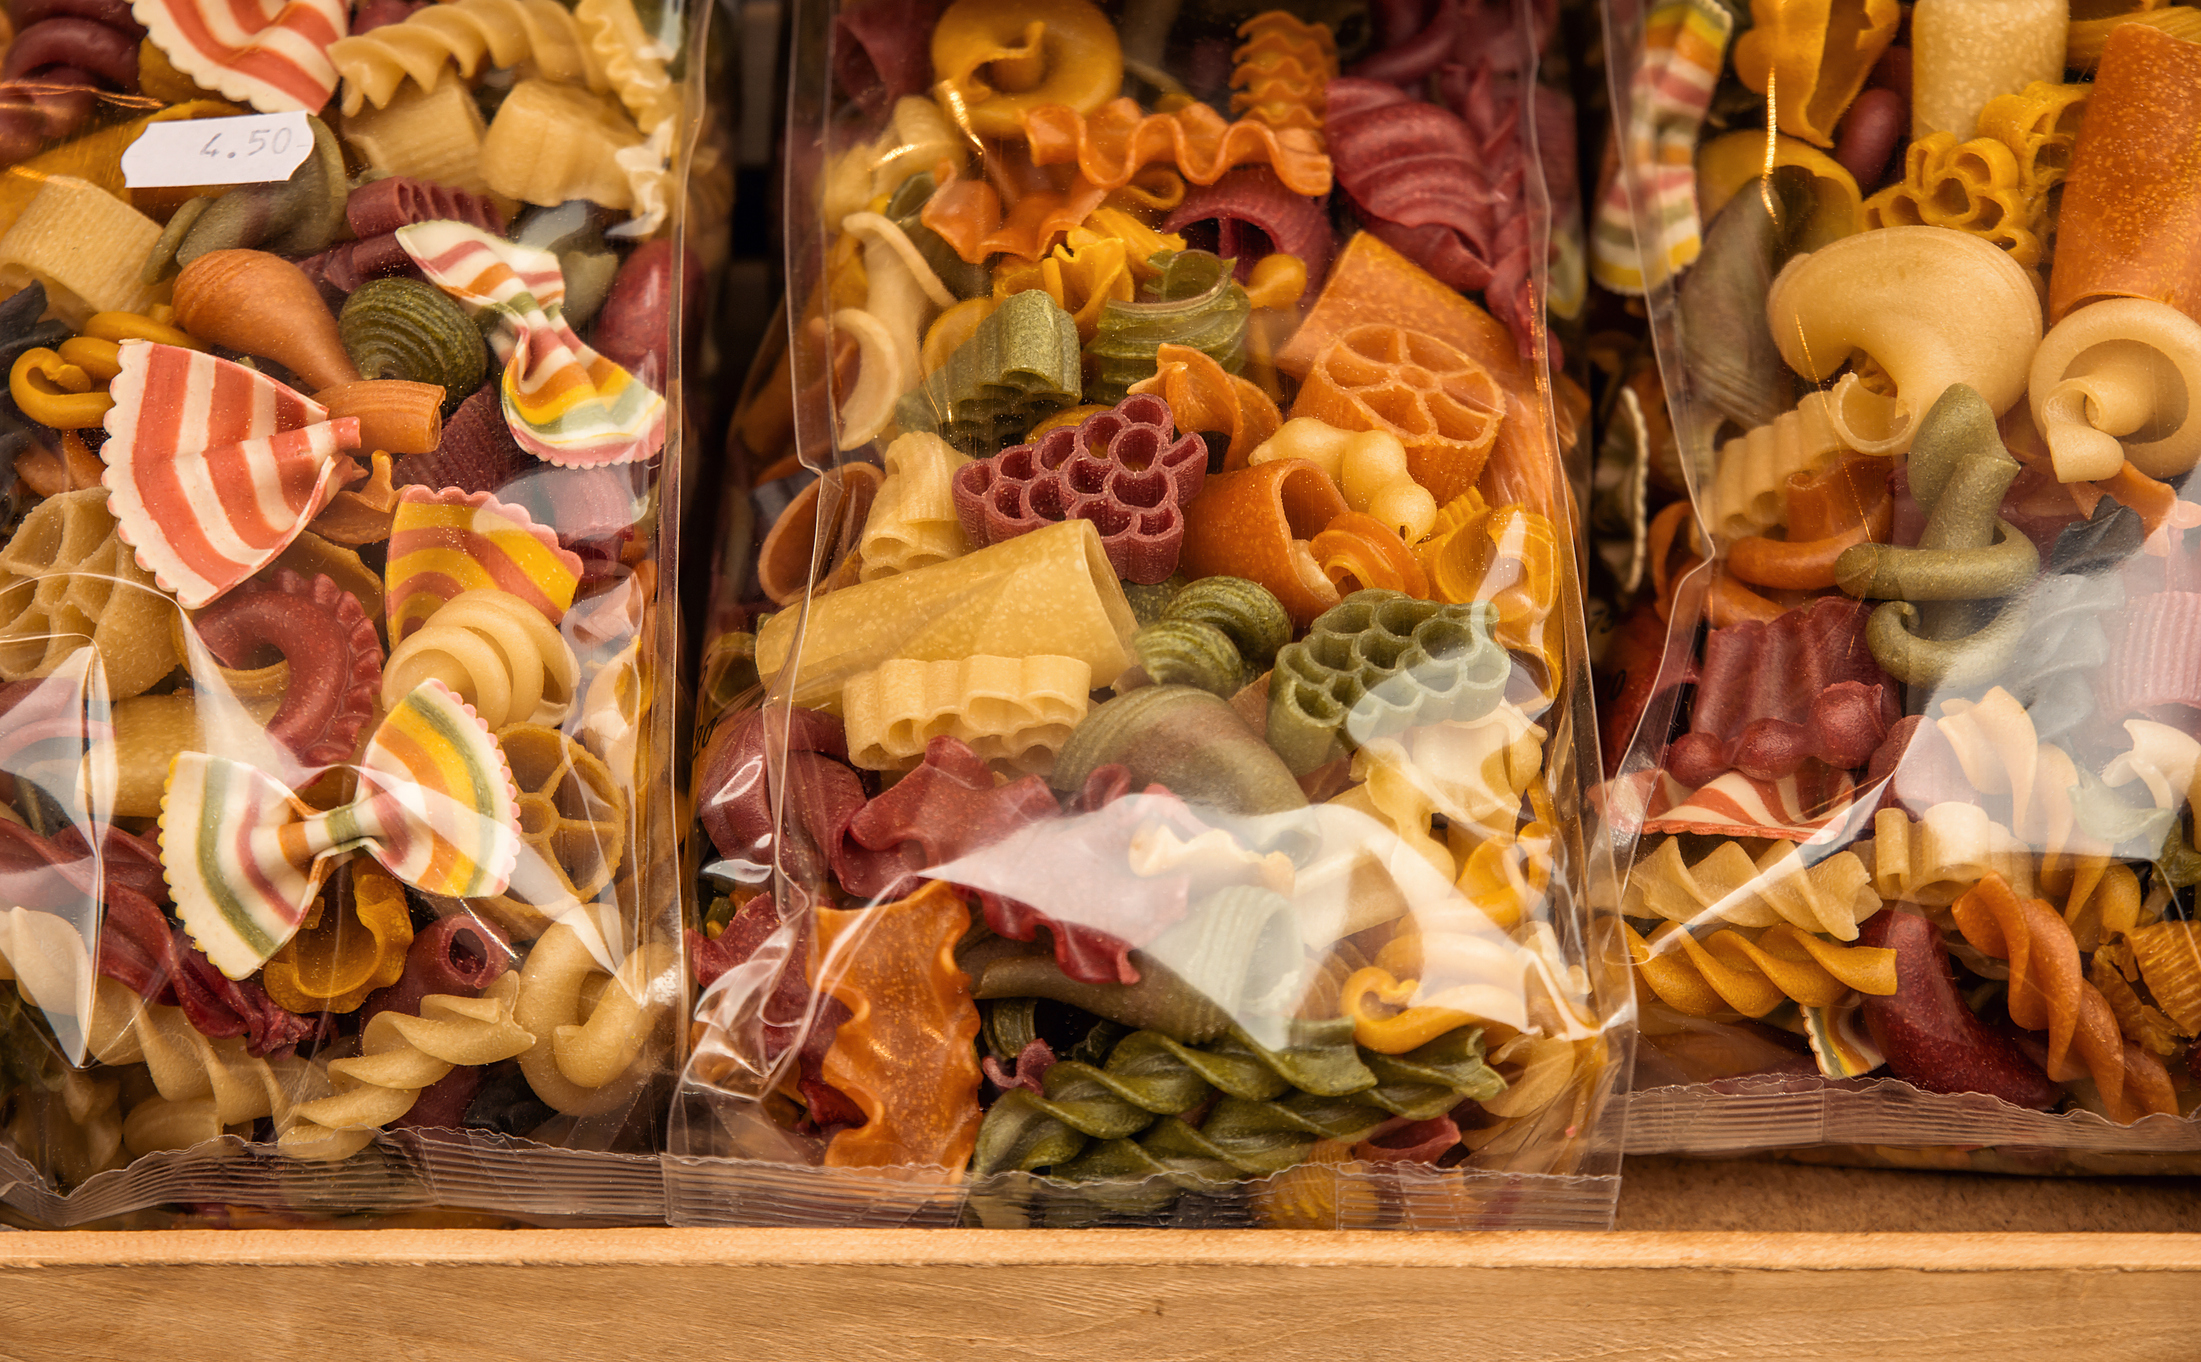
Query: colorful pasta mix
x,y
1907,807
1130,779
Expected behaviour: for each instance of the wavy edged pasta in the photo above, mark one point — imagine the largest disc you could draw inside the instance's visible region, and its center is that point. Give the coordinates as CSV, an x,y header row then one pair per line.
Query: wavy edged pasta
x,y
1008,709
1111,145
2049,992
1728,971
541,33
1281,69
1749,492
400,1056
1729,886
627,57
913,523
432,134
358,946
1946,851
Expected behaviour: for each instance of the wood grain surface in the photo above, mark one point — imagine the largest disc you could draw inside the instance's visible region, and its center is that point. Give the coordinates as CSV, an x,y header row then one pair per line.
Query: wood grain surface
x,y
976,1296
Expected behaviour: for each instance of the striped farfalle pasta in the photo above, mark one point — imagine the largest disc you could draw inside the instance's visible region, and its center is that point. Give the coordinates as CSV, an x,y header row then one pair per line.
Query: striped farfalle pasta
x,y
541,33
1008,709
400,1056
1728,886
913,523
496,652
1282,67
1749,492
1946,851
1731,971
2049,992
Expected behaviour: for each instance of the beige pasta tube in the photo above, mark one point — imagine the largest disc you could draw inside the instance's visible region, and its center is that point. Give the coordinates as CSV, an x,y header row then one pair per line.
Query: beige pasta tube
x,y
430,134
1050,592
1966,52
551,143
913,523
1014,710
85,245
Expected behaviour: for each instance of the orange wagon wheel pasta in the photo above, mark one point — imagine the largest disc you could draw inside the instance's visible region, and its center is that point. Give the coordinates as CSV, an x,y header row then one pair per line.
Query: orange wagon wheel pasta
x,y
1443,406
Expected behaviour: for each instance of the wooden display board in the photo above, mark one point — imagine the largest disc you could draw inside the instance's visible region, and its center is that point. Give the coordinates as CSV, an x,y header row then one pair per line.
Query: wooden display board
x,y
975,1296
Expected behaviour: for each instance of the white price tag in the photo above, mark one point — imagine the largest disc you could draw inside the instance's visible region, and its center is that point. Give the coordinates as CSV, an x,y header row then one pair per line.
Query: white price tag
x,y
254,149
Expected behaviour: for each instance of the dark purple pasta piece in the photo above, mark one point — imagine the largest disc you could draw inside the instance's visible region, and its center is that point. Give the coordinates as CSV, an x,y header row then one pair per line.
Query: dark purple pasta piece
x,y
883,50
477,452
1253,215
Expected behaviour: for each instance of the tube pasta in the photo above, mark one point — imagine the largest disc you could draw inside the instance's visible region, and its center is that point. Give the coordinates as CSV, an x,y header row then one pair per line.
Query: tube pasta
x,y
1977,323
583,1061
552,143
1014,710
913,523
1832,895
400,1056
424,134
1728,971
2049,992
2115,381
461,33
1947,851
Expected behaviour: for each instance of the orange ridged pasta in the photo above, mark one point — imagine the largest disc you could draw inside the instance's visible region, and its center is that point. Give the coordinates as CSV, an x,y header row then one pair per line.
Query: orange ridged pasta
x,y
1357,550
1203,397
2049,992
1113,145
971,215
395,416
1441,404
1282,68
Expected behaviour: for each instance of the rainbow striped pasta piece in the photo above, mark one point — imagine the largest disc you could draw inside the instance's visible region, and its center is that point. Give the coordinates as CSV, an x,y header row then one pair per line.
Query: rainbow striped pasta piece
x,y
244,857
566,404
443,543
213,468
271,54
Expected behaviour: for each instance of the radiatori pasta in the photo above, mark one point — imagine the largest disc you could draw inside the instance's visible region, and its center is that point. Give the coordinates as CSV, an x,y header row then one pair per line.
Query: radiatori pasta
x,y
1904,779
334,678
1148,808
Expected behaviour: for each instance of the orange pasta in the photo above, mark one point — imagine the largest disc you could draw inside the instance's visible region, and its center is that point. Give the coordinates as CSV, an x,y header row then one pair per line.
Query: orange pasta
x,y
1281,70
1202,397
1827,513
904,1055
1111,146
1255,523
1357,550
2049,992
1021,210
394,415
1371,282
1441,404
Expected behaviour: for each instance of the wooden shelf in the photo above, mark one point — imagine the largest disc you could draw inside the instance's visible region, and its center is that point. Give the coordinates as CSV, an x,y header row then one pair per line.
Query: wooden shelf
x,y
1996,1287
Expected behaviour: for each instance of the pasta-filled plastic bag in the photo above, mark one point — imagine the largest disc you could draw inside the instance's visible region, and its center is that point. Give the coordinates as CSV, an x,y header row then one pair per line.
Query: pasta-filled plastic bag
x,y
1908,811
1136,782
334,734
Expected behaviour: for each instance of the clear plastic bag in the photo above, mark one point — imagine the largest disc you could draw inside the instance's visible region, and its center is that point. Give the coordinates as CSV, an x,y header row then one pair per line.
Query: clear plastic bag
x,y
1117,802
336,841
1906,809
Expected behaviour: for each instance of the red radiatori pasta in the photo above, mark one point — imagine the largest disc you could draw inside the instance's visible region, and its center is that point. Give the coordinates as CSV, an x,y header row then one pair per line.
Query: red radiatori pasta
x,y
2049,992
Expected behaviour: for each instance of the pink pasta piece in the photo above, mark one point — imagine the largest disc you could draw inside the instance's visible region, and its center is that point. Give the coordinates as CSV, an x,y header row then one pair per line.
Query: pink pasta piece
x,y
2154,655
1794,808
1253,215
271,54
1126,470
1773,696
791,760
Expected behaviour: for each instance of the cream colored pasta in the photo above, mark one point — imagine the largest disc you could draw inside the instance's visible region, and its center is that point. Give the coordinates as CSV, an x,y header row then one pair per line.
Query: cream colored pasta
x,y
496,652
1831,896
1368,466
430,134
550,144
917,138
399,1056
584,1059
204,1086
1950,849
542,34
1750,475
1479,771
630,62
1008,709
913,523
85,245
1966,52
1390,794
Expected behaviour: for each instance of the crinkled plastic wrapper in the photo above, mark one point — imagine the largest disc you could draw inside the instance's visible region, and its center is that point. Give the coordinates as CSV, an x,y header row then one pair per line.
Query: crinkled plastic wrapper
x,y
1136,783
335,845
1908,814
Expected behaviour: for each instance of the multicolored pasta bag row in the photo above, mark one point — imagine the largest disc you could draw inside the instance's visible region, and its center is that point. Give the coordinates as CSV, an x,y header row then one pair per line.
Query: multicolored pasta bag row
x,y
1137,777
1908,811
335,513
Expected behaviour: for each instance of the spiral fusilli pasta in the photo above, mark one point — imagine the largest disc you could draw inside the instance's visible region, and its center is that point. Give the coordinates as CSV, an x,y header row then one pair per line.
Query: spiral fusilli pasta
x,y
1728,886
1729,971
461,33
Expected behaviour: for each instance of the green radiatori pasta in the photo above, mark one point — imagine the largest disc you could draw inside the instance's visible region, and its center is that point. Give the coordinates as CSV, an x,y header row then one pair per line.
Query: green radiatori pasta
x,y
401,328
1246,612
1195,302
1378,663
1124,1118
1020,364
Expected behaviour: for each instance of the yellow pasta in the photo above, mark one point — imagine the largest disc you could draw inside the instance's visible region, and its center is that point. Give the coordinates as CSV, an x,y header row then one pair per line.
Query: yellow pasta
x,y
496,652
1369,468
1082,274
1728,886
627,56
590,1024
1731,972
1391,794
399,1056
552,143
917,138
1478,772
85,245
913,523
2039,124
203,1086
1750,475
1936,859
433,134
2001,754
1014,710
1972,186
461,33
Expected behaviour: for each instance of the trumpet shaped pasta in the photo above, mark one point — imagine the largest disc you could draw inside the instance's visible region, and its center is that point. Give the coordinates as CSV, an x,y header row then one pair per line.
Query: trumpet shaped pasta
x,y
1368,466
496,652
913,523
1728,886
1014,710
400,1056
1729,971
